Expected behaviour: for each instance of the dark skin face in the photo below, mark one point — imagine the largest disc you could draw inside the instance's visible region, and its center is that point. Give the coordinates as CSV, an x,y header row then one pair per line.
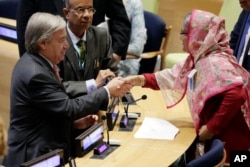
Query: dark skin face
x,y
78,17
245,4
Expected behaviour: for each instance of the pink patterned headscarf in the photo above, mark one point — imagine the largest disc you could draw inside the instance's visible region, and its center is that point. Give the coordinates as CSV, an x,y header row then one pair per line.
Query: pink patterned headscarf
x,y
217,68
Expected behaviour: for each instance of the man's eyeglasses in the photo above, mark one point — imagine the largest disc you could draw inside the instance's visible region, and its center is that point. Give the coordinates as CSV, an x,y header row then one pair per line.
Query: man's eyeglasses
x,y
83,10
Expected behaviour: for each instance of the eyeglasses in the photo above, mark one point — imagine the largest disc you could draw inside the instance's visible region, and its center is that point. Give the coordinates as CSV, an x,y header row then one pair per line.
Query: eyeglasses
x,y
83,10
183,33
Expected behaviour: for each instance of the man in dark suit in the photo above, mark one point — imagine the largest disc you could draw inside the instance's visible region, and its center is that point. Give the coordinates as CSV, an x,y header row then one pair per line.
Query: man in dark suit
x,y
114,9
42,115
84,76
119,24
239,35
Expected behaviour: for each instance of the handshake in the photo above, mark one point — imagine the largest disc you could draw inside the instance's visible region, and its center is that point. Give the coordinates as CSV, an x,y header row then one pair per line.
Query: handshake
x,y
118,86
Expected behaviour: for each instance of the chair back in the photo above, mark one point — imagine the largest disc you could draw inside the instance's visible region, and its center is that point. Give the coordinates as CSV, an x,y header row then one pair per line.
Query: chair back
x,y
155,26
216,155
156,31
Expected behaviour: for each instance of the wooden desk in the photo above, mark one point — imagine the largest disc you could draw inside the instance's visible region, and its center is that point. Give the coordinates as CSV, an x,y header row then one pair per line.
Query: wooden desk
x,y
8,57
147,152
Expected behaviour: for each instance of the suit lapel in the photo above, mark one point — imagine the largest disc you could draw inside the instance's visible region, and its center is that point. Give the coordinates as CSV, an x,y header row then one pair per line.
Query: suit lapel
x,y
72,56
40,60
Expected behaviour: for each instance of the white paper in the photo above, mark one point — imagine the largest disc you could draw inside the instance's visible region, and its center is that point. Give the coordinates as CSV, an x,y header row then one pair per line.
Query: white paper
x,y
155,128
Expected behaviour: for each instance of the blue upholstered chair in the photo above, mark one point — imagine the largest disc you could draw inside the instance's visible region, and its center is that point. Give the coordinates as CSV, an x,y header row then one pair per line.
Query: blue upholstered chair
x,y
157,38
8,8
216,156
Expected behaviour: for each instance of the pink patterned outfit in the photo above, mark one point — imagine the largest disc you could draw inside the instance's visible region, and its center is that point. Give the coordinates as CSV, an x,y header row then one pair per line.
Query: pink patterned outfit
x,y
221,87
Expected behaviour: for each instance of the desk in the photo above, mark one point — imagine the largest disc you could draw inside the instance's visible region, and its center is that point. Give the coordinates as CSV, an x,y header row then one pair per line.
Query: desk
x,y
147,152
8,57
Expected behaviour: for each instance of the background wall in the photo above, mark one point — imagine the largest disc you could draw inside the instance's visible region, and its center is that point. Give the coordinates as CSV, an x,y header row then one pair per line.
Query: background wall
x,y
151,5
230,11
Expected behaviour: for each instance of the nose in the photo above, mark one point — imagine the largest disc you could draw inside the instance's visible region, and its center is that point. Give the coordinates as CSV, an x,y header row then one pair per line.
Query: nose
x,y
66,44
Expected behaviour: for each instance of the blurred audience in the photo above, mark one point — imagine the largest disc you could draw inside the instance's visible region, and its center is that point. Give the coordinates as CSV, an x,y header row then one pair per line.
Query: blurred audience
x,y
3,140
138,37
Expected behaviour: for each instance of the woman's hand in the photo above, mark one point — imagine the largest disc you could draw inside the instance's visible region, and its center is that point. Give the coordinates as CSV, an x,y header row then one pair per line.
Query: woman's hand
x,y
204,133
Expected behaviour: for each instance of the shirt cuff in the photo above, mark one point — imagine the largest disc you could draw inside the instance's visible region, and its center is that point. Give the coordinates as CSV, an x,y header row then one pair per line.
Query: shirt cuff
x,y
107,91
91,85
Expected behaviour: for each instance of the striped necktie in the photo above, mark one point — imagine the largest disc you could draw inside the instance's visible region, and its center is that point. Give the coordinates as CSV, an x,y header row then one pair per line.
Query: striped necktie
x,y
82,53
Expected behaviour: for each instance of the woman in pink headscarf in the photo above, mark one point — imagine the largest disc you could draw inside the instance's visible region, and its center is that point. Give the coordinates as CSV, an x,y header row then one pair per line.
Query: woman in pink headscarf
x,y
216,86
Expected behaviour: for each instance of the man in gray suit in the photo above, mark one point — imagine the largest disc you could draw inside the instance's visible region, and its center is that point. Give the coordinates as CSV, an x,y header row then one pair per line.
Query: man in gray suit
x,y
82,75
42,115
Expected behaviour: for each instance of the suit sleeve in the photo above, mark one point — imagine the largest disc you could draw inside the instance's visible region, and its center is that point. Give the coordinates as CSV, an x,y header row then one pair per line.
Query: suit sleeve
x,y
47,95
237,32
75,88
109,62
119,26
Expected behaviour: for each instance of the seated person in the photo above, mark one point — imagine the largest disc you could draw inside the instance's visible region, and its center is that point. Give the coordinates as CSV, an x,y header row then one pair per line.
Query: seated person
x,y
138,38
87,68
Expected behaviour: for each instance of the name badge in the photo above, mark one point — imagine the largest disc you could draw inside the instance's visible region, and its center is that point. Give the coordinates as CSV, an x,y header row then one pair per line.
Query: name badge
x,y
191,79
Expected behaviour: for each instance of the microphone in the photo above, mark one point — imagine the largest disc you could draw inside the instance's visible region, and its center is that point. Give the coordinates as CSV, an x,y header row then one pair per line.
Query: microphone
x,y
72,162
143,97
124,123
105,122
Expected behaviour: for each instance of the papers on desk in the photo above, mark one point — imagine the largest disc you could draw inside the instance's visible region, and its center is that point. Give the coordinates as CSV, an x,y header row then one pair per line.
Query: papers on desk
x,y
154,128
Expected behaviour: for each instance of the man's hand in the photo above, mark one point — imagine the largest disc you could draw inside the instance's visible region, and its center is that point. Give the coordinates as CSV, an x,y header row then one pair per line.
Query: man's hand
x,y
102,77
85,122
118,87
117,58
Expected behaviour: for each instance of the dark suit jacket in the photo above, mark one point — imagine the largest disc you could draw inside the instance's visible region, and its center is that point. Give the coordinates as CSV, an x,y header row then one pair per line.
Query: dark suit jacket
x,y
119,25
99,56
41,111
237,34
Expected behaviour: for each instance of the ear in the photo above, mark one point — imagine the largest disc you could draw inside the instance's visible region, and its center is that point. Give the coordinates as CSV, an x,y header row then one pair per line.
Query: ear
x,y
66,13
42,44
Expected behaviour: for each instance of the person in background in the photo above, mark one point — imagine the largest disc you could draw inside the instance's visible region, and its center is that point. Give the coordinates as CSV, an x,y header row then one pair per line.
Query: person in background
x,y
216,86
138,37
239,41
119,25
3,140
114,9
84,71
42,115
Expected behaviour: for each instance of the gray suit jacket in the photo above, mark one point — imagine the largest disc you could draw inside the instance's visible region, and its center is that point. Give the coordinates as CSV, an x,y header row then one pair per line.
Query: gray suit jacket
x,y
99,56
41,113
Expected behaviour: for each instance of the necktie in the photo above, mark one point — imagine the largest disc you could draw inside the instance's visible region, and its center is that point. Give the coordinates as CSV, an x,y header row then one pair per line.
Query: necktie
x,y
81,47
56,72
